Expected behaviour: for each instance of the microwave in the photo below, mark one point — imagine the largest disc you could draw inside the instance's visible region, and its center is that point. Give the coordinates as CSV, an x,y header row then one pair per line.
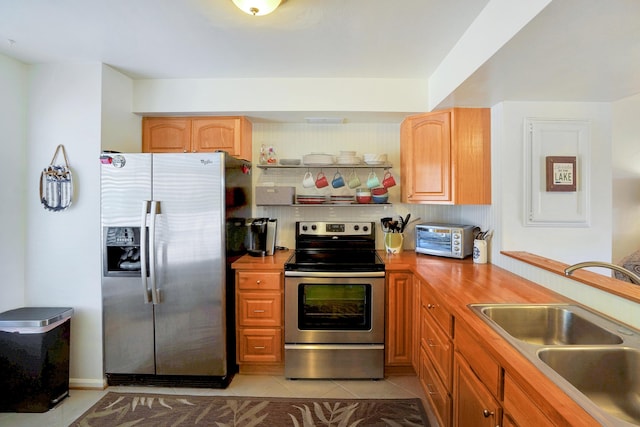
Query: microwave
x,y
448,240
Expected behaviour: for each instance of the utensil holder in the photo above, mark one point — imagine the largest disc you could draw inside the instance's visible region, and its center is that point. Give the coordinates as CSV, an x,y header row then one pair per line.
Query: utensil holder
x,y
480,251
393,242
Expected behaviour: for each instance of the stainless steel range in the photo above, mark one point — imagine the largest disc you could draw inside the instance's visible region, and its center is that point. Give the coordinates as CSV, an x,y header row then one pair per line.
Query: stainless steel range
x,y
334,302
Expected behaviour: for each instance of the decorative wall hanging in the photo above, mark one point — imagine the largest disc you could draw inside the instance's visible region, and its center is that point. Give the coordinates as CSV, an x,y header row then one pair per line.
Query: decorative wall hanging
x,y
56,184
557,159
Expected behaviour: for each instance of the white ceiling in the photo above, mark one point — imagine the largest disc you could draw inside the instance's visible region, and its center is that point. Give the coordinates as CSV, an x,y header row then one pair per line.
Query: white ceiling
x,y
574,50
214,39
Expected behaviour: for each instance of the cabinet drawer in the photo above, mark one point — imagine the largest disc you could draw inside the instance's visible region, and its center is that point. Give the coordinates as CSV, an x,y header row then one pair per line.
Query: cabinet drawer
x,y
259,345
436,391
438,347
520,407
259,281
260,309
481,362
439,313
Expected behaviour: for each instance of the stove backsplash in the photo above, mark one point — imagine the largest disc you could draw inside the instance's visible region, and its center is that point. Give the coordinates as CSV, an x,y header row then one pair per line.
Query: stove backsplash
x,y
294,140
288,215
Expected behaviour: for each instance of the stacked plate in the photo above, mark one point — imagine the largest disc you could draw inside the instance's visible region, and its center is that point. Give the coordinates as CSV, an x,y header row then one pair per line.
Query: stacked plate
x,y
375,159
348,160
310,199
317,159
342,199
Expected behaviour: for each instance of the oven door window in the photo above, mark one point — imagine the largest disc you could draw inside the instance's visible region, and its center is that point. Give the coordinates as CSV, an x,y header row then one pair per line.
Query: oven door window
x,y
334,307
436,240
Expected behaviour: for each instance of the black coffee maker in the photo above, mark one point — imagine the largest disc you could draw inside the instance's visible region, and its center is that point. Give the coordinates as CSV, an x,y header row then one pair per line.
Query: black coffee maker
x,y
261,236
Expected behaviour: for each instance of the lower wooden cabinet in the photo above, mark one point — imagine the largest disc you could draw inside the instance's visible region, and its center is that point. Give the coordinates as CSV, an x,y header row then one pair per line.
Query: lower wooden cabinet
x,y
435,390
259,345
473,404
519,406
399,323
259,321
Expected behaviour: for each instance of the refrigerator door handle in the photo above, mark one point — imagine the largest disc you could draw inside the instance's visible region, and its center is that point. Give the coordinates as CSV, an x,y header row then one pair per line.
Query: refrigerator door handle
x,y
143,251
155,293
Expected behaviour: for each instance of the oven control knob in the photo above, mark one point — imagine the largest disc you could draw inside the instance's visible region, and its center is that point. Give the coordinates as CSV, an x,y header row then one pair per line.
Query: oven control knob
x,y
356,227
313,227
304,228
365,228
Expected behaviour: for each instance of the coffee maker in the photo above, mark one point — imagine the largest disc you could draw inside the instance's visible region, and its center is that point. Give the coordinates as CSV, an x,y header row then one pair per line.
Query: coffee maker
x,y
261,236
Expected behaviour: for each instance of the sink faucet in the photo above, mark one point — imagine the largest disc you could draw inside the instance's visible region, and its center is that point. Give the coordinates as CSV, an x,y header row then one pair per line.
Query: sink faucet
x,y
634,278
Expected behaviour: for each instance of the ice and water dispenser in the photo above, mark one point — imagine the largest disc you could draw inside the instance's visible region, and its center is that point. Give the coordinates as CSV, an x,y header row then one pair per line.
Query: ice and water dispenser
x,y
122,251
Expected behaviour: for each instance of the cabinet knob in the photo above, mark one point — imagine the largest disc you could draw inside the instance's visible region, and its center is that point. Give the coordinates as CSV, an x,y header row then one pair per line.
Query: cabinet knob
x,y
487,413
258,282
184,151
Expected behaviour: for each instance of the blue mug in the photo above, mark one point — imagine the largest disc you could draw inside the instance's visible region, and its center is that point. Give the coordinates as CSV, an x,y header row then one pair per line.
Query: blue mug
x,y
338,181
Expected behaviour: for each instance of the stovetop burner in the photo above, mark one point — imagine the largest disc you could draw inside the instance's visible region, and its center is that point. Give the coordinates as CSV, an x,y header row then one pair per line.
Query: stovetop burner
x,y
343,246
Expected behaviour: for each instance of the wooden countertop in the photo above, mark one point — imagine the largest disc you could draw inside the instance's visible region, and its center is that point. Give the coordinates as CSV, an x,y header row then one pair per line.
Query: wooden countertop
x,y
459,283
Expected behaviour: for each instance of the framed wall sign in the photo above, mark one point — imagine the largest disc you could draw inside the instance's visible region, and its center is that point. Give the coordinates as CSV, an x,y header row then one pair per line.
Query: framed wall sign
x,y
561,173
557,193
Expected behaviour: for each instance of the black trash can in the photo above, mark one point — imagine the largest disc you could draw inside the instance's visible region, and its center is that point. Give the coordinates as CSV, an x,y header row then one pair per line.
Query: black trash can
x,y
34,358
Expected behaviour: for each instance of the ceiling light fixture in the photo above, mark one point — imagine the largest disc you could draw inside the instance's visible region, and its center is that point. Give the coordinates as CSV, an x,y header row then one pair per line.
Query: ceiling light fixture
x,y
257,7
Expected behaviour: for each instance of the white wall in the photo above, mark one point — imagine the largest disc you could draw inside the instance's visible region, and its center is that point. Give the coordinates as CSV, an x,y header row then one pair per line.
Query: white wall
x,y
626,177
121,129
63,248
566,244
273,95
13,122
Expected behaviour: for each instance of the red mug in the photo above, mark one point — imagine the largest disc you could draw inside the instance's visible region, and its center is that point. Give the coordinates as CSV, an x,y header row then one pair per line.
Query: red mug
x,y
387,180
321,180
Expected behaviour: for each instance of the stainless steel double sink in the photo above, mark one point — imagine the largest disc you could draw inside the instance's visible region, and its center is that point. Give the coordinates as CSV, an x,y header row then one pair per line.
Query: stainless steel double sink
x,y
593,358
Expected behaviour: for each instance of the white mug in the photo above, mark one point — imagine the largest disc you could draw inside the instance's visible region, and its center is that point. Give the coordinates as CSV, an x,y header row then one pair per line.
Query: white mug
x,y
309,180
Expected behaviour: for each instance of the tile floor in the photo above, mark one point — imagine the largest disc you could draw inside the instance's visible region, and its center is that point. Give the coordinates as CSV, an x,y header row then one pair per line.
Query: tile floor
x,y
242,385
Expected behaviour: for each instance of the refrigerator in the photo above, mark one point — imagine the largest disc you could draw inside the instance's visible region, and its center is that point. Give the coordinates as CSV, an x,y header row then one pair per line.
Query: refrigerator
x,y
171,226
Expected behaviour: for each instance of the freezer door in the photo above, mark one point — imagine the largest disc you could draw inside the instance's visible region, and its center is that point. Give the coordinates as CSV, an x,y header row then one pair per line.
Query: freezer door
x,y
125,183
189,264
127,320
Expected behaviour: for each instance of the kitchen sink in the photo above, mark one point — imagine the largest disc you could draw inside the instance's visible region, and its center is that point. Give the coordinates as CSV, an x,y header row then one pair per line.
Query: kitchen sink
x,y
548,324
610,377
593,358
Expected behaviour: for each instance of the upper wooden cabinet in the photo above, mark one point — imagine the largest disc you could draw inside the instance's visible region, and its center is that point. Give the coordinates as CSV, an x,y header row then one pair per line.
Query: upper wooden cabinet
x,y
445,157
197,134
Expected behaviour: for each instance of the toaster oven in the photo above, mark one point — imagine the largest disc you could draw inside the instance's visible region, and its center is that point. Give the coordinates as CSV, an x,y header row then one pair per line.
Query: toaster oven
x,y
448,240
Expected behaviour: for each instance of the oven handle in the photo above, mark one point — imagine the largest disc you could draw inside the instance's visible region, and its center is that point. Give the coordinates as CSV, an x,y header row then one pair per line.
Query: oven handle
x,y
350,274
333,346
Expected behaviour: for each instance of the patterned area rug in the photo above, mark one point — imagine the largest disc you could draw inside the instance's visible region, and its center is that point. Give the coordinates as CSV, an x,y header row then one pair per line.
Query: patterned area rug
x,y
135,409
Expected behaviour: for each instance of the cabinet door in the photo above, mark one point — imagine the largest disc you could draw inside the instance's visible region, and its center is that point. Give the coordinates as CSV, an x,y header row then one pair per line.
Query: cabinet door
x,y
166,135
473,404
425,158
260,309
259,281
416,313
436,391
399,320
259,345
212,134
520,406
438,346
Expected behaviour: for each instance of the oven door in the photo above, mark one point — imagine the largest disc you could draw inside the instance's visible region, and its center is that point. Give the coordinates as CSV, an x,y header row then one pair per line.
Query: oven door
x,y
334,308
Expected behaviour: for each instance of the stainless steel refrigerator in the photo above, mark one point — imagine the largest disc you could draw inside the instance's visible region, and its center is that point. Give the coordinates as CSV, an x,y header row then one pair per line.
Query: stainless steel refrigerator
x,y
171,226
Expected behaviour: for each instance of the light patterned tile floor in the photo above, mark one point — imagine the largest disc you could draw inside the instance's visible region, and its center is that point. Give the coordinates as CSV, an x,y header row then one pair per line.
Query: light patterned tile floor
x,y
242,385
